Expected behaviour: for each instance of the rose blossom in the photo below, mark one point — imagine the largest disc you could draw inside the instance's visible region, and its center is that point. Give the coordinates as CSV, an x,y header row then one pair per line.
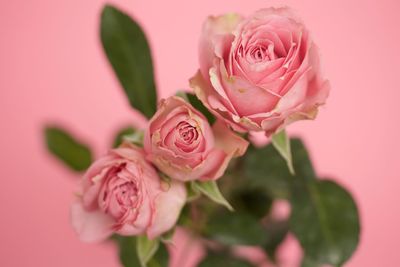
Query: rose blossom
x,y
123,193
259,73
182,144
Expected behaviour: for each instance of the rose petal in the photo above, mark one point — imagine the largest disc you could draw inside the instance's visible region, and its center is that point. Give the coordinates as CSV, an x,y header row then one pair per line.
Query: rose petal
x,y
212,39
90,226
242,94
142,221
168,205
271,52
230,143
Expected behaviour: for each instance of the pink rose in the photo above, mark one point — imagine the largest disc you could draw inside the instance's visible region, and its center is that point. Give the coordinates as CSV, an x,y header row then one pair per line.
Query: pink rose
x,y
259,73
122,193
181,143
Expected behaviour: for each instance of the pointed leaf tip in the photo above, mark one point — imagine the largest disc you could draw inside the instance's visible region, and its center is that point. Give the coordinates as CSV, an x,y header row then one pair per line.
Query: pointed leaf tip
x,y
281,142
146,248
211,190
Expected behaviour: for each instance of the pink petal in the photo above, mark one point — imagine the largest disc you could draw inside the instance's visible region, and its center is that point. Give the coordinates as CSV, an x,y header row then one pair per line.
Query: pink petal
x,y
129,151
90,226
142,221
213,41
208,97
230,143
186,250
168,206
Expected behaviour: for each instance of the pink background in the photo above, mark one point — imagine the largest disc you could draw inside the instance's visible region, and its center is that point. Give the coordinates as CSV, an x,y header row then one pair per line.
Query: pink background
x,y
52,68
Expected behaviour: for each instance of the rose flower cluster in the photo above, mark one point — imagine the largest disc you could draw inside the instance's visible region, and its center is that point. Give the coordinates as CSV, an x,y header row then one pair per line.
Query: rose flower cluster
x,y
258,73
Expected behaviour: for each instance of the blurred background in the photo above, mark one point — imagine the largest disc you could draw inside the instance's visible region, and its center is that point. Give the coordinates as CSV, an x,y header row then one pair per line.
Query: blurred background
x,y
52,69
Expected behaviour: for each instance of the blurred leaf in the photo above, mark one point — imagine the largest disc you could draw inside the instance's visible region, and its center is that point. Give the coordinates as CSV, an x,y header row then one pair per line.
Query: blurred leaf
x,y
127,250
185,216
161,258
301,160
214,259
192,192
146,249
254,201
167,237
211,190
307,262
265,169
324,216
235,229
70,151
325,220
281,143
275,232
127,50
121,133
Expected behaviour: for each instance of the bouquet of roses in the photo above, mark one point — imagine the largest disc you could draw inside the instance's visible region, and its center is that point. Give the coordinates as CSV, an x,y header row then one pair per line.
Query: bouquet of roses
x,y
196,164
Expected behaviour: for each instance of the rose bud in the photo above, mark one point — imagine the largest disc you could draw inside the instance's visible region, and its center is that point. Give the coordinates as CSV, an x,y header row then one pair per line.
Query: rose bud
x,y
122,193
182,144
259,73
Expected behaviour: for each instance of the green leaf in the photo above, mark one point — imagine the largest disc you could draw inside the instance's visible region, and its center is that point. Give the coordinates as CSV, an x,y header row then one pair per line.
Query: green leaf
x,y
161,258
167,237
254,201
127,49
325,220
281,143
211,190
307,262
214,259
185,217
275,232
120,135
127,250
70,151
145,249
235,229
265,169
192,192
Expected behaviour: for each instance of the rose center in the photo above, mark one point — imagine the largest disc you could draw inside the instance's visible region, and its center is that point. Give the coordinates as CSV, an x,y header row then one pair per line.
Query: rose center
x,y
187,132
126,194
259,53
